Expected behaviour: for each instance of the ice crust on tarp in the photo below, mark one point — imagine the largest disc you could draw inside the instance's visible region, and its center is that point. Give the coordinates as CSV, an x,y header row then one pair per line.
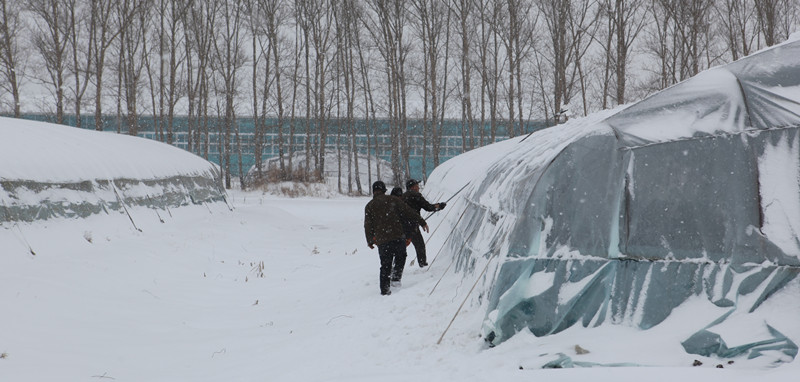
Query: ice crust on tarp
x,y
58,171
622,216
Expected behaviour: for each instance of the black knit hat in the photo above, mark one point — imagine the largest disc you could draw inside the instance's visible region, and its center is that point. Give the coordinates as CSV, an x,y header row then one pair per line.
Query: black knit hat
x,y
379,186
411,183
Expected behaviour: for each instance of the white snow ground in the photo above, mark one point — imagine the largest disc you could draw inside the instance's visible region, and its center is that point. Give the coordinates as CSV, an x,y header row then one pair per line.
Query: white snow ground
x,y
278,290
275,290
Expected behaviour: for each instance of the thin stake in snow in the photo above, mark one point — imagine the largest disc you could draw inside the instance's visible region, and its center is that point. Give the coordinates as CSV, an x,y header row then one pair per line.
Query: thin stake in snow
x,y
22,235
439,195
445,240
30,249
465,298
428,240
448,200
154,208
474,231
225,198
526,137
119,199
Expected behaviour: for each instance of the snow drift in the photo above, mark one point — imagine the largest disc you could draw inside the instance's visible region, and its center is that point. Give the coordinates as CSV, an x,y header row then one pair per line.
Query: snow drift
x,y
692,194
57,171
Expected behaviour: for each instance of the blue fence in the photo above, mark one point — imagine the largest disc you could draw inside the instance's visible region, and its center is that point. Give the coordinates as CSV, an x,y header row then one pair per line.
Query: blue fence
x,y
450,145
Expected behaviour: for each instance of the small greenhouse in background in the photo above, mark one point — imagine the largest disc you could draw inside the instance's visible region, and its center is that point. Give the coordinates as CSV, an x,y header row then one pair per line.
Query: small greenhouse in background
x,y
76,173
622,216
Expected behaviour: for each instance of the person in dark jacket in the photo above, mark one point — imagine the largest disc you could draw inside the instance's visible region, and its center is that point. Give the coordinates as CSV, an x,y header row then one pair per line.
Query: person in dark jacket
x,y
417,202
397,191
408,227
383,226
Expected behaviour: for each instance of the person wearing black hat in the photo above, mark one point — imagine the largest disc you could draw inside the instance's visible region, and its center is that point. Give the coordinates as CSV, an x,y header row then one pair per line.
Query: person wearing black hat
x,y
416,201
383,226
397,191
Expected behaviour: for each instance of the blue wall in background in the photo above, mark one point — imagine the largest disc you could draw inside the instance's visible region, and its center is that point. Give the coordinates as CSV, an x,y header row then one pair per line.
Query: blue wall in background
x,y
450,146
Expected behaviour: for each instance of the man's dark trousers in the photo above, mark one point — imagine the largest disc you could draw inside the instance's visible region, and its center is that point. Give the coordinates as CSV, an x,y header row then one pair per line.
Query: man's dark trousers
x,y
392,254
419,246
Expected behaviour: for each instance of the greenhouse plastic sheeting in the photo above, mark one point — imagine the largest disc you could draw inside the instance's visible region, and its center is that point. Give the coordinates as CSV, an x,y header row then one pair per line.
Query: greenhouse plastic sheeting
x,y
693,193
27,201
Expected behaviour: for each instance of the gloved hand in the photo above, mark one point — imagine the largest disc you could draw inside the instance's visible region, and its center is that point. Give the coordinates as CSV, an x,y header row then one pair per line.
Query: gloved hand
x,y
442,205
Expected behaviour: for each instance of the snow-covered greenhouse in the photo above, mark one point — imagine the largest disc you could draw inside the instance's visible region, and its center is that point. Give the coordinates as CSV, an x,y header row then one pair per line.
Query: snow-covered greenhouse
x,y
54,171
692,194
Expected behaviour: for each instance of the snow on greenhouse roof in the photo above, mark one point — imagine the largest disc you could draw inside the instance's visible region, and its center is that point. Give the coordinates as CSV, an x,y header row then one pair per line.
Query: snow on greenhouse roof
x,y
759,92
54,153
58,171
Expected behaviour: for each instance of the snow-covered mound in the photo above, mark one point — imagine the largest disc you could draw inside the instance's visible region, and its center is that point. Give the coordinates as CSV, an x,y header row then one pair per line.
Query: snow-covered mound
x,y
690,198
58,171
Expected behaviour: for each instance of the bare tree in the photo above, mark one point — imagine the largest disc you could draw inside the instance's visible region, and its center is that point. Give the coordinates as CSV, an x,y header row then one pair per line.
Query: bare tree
x,y
436,133
739,24
259,54
583,27
167,88
227,59
489,57
322,41
691,28
570,26
51,40
556,15
274,13
627,21
776,19
789,18
462,9
171,60
104,29
493,71
295,82
385,25
200,20
605,38
543,71
510,35
429,23
154,55
370,115
133,53
192,138
11,52
82,49
660,43
347,22
767,12
522,22
304,15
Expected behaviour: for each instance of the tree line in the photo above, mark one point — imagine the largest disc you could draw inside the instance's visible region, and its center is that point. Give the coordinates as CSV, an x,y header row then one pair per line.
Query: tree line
x,y
305,66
